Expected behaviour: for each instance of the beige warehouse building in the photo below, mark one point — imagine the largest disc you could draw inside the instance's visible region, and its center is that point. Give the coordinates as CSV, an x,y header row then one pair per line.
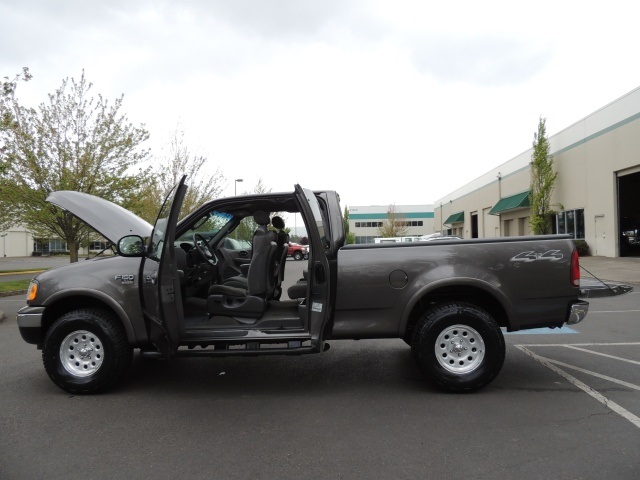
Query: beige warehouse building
x,y
597,190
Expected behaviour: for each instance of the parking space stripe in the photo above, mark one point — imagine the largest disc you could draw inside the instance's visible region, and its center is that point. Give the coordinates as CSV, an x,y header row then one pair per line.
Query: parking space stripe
x,y
624,413
626,344
594,374
542,331
573,347
613,311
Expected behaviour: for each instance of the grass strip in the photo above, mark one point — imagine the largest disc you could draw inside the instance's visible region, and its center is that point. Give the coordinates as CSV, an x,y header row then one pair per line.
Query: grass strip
x,y
14,285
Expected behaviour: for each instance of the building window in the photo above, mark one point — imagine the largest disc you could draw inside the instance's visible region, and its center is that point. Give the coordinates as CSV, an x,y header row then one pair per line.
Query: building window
x,y
57,245
570,222
365,239
98,245
368,224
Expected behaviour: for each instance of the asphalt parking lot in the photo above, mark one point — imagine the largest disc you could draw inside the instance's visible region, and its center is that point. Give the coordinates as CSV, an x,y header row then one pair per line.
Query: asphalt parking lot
x,y
566,405
599,356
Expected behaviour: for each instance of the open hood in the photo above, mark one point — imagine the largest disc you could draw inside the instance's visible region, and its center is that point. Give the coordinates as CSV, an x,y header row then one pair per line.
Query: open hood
x,y
110,220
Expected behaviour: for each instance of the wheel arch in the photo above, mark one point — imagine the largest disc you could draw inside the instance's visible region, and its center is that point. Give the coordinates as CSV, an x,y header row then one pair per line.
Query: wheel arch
x,y
481,294
61,304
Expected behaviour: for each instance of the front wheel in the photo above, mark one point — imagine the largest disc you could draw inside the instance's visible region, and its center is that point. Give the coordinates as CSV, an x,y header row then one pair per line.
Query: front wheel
x,y
86,351
297,255
458,346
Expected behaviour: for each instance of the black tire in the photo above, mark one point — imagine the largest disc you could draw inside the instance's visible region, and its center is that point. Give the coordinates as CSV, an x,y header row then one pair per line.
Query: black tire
x,y
458,346
297,255
86,351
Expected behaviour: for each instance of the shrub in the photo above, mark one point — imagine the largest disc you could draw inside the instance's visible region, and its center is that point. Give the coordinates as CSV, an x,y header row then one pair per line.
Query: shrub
x,y
582,247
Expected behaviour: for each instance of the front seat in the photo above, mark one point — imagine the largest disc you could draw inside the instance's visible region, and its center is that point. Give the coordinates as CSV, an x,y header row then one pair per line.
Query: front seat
x,y
251,301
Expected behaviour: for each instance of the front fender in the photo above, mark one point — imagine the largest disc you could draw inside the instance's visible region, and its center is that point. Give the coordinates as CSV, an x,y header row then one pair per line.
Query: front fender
x,y
132,322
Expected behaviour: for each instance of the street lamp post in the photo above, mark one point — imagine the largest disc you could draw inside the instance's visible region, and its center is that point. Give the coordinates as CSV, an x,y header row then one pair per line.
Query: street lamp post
x,y
235,186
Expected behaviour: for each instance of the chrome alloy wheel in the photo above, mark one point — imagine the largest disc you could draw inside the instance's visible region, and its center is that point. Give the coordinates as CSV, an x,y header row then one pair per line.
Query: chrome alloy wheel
x,y
459,349
81,353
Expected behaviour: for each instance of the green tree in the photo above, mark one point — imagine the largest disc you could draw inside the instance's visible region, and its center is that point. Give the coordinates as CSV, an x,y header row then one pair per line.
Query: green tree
x,y
248,225
178,160
543,180
348,236
73,142
395,225
7,89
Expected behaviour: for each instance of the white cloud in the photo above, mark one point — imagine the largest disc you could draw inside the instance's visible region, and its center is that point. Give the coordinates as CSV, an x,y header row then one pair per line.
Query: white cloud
x,y
387,102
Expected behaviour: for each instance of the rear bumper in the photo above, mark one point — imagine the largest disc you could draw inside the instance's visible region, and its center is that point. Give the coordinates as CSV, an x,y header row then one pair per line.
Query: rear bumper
x,y
577,311
30,324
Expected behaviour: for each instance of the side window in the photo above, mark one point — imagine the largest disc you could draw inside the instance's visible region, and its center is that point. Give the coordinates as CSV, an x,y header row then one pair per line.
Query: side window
x,y
233,244
244,232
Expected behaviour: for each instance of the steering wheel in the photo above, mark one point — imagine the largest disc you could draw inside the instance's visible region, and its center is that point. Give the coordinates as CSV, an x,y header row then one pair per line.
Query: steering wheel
x,y
204,250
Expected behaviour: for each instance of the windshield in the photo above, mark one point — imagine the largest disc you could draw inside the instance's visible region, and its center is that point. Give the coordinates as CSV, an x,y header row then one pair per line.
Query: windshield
x,y
208,226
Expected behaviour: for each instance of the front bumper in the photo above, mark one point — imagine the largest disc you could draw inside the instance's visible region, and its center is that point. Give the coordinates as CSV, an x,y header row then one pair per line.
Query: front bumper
x,y
577,311
30,324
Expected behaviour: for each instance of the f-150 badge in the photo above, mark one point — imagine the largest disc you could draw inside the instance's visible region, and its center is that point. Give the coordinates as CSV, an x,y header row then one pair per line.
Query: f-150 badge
x,y
531,256
125,279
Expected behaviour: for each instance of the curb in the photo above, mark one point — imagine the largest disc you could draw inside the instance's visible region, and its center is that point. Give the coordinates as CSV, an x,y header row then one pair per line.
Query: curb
x,y
12,293
26,272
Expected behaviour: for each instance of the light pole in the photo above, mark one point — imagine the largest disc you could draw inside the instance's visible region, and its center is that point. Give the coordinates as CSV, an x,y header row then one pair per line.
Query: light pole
x,y
235,186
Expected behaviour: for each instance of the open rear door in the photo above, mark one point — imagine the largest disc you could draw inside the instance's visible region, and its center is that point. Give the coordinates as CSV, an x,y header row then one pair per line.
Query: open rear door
x,y
319,301
162,302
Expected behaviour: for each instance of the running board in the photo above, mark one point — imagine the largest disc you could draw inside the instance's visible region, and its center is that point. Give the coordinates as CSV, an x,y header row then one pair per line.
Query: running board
x,y
293,347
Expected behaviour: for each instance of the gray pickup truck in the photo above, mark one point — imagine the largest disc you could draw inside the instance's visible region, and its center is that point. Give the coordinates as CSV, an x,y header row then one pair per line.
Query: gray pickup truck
x,y
174,290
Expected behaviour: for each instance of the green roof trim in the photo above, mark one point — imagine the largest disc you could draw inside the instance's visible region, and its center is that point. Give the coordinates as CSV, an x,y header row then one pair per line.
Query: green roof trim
x,y
455,218
520,200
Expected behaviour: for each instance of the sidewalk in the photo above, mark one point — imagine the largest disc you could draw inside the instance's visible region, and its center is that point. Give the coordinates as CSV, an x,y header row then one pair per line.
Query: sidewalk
x,y
620,270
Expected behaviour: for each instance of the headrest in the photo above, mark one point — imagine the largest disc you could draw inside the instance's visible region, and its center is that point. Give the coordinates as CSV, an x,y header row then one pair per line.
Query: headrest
x,y
277,222
261,218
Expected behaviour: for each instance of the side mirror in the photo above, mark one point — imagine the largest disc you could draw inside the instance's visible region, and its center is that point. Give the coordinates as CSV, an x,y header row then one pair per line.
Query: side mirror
x,y
131,246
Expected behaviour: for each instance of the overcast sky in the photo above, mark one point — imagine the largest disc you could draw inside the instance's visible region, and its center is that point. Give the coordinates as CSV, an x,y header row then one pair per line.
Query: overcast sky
x,y
387,102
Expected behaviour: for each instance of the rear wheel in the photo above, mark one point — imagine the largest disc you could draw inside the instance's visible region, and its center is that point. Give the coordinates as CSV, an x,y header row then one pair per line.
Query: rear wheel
x,y
297,255
86,351
458,346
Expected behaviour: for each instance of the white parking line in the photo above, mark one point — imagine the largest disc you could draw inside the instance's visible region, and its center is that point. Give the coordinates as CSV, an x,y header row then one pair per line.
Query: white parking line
x,y
577,344
613,311
594,374
624,413
573,347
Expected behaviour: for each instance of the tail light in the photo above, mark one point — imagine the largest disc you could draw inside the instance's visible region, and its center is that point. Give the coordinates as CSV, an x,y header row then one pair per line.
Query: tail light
x,y
575,269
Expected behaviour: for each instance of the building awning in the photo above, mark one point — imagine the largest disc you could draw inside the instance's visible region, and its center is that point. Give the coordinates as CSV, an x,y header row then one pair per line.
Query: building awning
x,y
520,200
455,218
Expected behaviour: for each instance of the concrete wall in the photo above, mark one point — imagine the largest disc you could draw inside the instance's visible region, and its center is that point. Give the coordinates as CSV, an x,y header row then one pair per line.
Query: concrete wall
x,y
588,156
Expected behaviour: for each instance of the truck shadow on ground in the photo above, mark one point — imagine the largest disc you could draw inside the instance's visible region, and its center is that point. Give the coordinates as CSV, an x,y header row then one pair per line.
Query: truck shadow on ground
x,y
347,366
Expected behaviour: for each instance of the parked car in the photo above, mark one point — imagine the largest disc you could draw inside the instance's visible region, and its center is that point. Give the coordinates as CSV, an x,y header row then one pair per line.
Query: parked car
x,y
632,237
297,251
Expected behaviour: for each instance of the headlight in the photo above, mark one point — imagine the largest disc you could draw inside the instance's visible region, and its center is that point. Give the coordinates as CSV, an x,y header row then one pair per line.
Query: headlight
x,y
628,233
32,291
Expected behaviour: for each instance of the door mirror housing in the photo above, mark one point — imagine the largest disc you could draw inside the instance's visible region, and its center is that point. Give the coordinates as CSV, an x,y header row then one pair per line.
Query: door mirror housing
x,y
131,246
